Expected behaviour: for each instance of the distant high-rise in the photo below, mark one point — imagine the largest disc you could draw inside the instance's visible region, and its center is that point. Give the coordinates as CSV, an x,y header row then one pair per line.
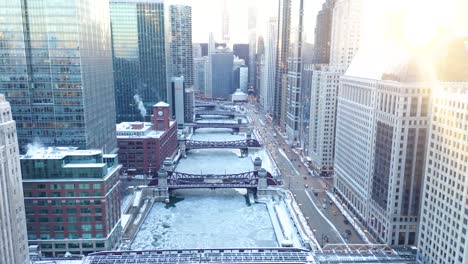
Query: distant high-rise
x,y
197,50
281,71
324,80
61,88
221,78
260,58
268,84
241,51
13,239
226,38
323,30
200,66
179,19
138,40
252,30
346,32
209,68
293,99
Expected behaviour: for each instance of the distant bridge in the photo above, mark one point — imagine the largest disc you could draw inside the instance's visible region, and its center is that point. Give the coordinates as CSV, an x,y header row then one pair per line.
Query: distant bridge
x,y
180,180
237,144
230,114
205,105
234,126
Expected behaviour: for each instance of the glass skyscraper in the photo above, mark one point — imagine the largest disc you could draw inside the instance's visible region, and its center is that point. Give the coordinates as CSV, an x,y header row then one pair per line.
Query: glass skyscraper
x,y
139,46
56,71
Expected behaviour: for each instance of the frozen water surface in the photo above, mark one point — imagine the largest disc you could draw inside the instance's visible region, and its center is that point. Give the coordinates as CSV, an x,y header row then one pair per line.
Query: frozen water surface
x,y
216,134
214,161
206,219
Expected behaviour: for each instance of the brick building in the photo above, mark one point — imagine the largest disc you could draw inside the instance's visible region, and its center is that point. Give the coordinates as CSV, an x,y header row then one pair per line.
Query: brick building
x,y
144,145
72,200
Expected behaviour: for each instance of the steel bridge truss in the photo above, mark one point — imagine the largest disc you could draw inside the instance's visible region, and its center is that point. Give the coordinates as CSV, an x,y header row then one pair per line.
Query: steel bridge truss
x,y
178,180
238,144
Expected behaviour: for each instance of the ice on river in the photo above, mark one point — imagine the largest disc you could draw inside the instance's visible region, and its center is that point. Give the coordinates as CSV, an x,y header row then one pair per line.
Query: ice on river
x,y
214,161
216,134
206,219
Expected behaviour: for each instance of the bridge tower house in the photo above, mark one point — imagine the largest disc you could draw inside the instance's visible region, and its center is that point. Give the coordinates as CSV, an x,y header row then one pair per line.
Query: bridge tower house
x,y
182,146
257,164
262,182
162,191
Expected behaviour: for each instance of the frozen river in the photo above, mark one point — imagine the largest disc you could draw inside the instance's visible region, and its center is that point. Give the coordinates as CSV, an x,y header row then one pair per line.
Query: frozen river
x,y
206,219
209,218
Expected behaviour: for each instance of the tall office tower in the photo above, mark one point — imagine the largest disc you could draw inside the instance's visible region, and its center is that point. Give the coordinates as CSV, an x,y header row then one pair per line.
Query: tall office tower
x,y
209,73
346,32
13,239
325,82
252,28
260,58
306,84
322,112
443,228
241,51
197,51
61,88
323,29
293,99
178,107
138,40
442,234
270,64
281,71
226,38
199,74
179,19
221,81
241,78
381,130
262,92
72,200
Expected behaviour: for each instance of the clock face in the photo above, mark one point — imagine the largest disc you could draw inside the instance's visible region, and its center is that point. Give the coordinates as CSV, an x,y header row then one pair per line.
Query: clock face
x,y
160,113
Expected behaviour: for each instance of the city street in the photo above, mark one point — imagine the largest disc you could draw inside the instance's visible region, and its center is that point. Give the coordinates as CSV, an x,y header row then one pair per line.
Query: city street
x,y
323,217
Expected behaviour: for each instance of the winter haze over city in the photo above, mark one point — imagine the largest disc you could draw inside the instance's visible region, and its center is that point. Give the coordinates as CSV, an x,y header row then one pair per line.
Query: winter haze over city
x,y
233,131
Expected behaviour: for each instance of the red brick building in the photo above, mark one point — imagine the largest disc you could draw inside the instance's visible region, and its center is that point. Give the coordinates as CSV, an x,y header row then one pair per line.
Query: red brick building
x,y
143,146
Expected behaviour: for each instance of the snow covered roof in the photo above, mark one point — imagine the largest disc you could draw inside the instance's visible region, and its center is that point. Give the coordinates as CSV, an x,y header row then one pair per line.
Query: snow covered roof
x,y
57,152
162,104
137,130
239,92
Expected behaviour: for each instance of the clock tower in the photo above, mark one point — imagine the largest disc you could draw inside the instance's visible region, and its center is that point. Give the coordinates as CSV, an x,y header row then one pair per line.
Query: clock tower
x,y
160,118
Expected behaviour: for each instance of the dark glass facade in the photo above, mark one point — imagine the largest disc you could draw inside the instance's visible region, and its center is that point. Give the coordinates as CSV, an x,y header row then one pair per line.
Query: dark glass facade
x,y
284,13
56,71
139,49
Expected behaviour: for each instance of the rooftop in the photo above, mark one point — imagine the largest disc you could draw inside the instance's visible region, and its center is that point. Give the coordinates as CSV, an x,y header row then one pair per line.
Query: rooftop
x,y
39,152
138,130
162,104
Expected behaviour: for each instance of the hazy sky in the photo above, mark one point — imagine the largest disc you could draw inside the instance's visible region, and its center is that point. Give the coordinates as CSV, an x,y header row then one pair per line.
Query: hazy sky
x,y
207,17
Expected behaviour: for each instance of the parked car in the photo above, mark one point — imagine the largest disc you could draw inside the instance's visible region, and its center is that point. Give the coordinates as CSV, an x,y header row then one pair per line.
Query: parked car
x,y
346,222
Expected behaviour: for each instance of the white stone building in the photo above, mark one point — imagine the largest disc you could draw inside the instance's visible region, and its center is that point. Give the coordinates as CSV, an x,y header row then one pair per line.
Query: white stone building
x,y
381,132
443,234
13,238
